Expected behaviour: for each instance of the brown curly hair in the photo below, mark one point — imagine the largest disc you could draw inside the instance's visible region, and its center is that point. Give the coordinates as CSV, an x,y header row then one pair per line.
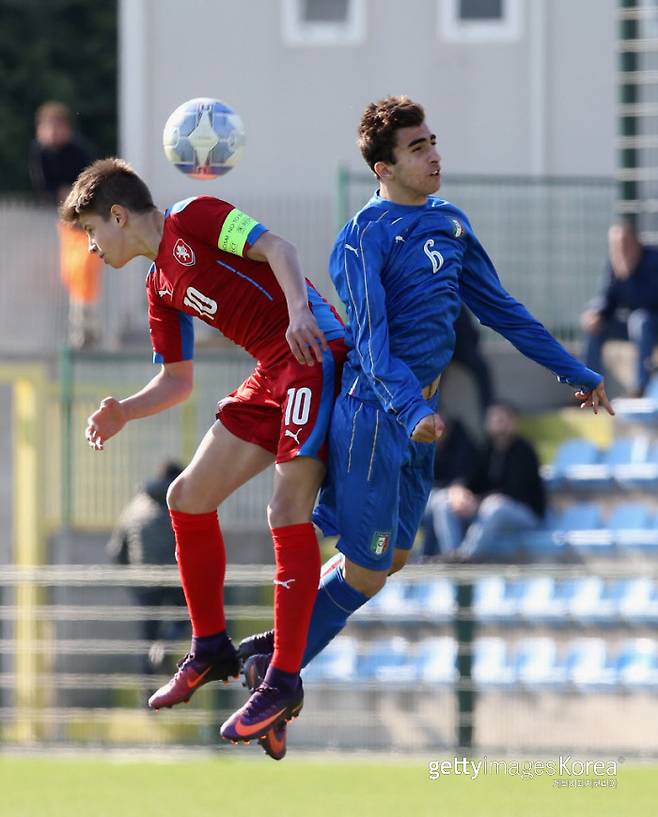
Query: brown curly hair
x,y
103,184
379,123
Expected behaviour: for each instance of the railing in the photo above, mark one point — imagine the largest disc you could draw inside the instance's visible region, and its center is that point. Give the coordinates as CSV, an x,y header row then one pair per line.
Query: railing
x,y
546,235
410,678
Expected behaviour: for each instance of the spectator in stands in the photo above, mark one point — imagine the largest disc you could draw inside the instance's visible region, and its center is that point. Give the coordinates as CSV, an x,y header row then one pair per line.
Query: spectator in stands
x,y
456,460
144,536
627,306
56,158
480,519
467,352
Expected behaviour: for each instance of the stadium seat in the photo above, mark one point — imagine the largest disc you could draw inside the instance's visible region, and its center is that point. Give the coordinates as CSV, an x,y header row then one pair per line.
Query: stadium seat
x,y
636,664
570,458
632,525
494,600
638,601
436,660
642,410
434,599
387,660
584,601
581,525
639,469
536,600
335,664
546,544
535,660
391,602
491,668
586,666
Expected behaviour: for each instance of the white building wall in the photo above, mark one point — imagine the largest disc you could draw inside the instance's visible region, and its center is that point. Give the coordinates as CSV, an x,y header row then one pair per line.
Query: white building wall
x,y
540,103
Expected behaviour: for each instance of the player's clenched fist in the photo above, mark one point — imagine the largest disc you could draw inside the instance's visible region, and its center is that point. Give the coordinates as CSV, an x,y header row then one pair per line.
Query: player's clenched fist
x,y
105,422
429,429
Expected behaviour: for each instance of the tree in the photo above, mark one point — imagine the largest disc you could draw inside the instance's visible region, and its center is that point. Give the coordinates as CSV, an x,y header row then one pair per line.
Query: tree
x,y
55,49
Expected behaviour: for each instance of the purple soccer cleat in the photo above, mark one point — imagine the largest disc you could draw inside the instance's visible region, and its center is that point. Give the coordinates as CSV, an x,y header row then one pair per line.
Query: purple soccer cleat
x,y
275,741
259,644
267,708
194,672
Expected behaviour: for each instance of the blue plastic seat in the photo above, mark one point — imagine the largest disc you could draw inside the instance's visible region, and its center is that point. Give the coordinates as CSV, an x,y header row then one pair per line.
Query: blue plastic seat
x,y
580,516
536,663
633,526
570,456
640,469
436,660
491,668
391,602
582,527
636,664
494,600
387,659
584,600
536,600
336,663
638,600
435,599
586,665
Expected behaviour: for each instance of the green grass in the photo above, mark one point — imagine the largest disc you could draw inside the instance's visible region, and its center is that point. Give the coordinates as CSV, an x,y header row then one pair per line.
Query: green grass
x,y
297,787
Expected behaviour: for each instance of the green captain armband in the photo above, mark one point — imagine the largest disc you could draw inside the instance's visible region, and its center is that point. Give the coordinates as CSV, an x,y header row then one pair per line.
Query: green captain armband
x,y
235,232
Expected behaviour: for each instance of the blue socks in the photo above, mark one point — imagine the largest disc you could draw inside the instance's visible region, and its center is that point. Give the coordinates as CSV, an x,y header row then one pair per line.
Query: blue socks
x,y
334,604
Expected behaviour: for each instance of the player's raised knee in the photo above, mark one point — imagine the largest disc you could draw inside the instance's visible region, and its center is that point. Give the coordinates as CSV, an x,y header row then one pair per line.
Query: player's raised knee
x,y
368,582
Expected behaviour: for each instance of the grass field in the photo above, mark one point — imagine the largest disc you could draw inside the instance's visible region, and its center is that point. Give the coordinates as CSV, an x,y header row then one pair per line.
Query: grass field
x,y
297,787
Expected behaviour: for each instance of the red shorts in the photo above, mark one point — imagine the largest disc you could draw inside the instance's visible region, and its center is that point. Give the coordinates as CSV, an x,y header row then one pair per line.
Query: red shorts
x,y
286,408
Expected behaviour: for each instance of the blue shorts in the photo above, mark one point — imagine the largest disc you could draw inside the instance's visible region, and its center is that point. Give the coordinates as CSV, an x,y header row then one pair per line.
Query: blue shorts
x,y
377,484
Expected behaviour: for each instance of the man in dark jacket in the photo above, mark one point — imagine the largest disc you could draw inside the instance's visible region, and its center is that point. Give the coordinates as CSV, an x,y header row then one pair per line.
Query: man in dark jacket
x,y
456,460
480,519
144,536
627,306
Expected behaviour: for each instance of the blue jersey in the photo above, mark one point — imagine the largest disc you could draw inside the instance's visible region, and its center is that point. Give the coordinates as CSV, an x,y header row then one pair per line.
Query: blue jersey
x,y
402,272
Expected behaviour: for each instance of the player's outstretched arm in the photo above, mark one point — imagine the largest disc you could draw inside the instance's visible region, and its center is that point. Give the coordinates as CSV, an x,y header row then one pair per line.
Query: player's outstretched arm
x,y
172,385
595,398
304,336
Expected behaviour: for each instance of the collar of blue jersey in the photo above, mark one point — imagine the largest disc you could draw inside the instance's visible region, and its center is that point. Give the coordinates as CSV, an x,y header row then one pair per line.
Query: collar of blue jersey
x,y
378,201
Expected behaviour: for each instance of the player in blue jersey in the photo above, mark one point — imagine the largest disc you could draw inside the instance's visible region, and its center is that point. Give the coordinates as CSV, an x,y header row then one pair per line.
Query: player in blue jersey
x,y
403,266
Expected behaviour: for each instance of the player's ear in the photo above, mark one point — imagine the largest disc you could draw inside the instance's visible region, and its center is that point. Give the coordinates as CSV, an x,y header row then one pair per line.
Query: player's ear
x,y
119,214
383,170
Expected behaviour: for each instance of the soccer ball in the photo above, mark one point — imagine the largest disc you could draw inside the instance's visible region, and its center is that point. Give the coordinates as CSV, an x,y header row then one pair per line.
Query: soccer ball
x,y
203,138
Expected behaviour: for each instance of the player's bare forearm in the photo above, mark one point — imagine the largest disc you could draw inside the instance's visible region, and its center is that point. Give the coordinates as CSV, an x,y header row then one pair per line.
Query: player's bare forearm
x,y
304,336
170,386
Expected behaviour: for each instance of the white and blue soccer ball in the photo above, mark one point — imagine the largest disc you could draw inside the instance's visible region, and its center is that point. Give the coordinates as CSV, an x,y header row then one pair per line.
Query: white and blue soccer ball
x,y
203,138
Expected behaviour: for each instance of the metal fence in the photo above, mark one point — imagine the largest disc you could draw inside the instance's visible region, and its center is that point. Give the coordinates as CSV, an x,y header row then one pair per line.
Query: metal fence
x,y
439,661
546,236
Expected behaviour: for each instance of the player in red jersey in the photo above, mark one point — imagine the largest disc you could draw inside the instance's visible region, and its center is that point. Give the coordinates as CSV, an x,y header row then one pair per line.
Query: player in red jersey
x,y
214,262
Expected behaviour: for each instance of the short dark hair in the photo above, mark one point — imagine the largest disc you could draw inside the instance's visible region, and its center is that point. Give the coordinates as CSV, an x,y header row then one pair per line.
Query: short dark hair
x,y
379,123
104,183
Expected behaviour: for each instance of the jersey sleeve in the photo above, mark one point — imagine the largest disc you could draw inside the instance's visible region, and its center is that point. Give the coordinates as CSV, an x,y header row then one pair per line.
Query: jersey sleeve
x,y
217,223
485,296
172,331
395,385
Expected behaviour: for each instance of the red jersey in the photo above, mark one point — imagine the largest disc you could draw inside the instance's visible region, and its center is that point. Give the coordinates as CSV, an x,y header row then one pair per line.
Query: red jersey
x,y
201,271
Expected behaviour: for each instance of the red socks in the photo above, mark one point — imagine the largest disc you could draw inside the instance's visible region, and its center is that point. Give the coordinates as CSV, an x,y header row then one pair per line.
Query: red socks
x,y
297,557
201,560
202,564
